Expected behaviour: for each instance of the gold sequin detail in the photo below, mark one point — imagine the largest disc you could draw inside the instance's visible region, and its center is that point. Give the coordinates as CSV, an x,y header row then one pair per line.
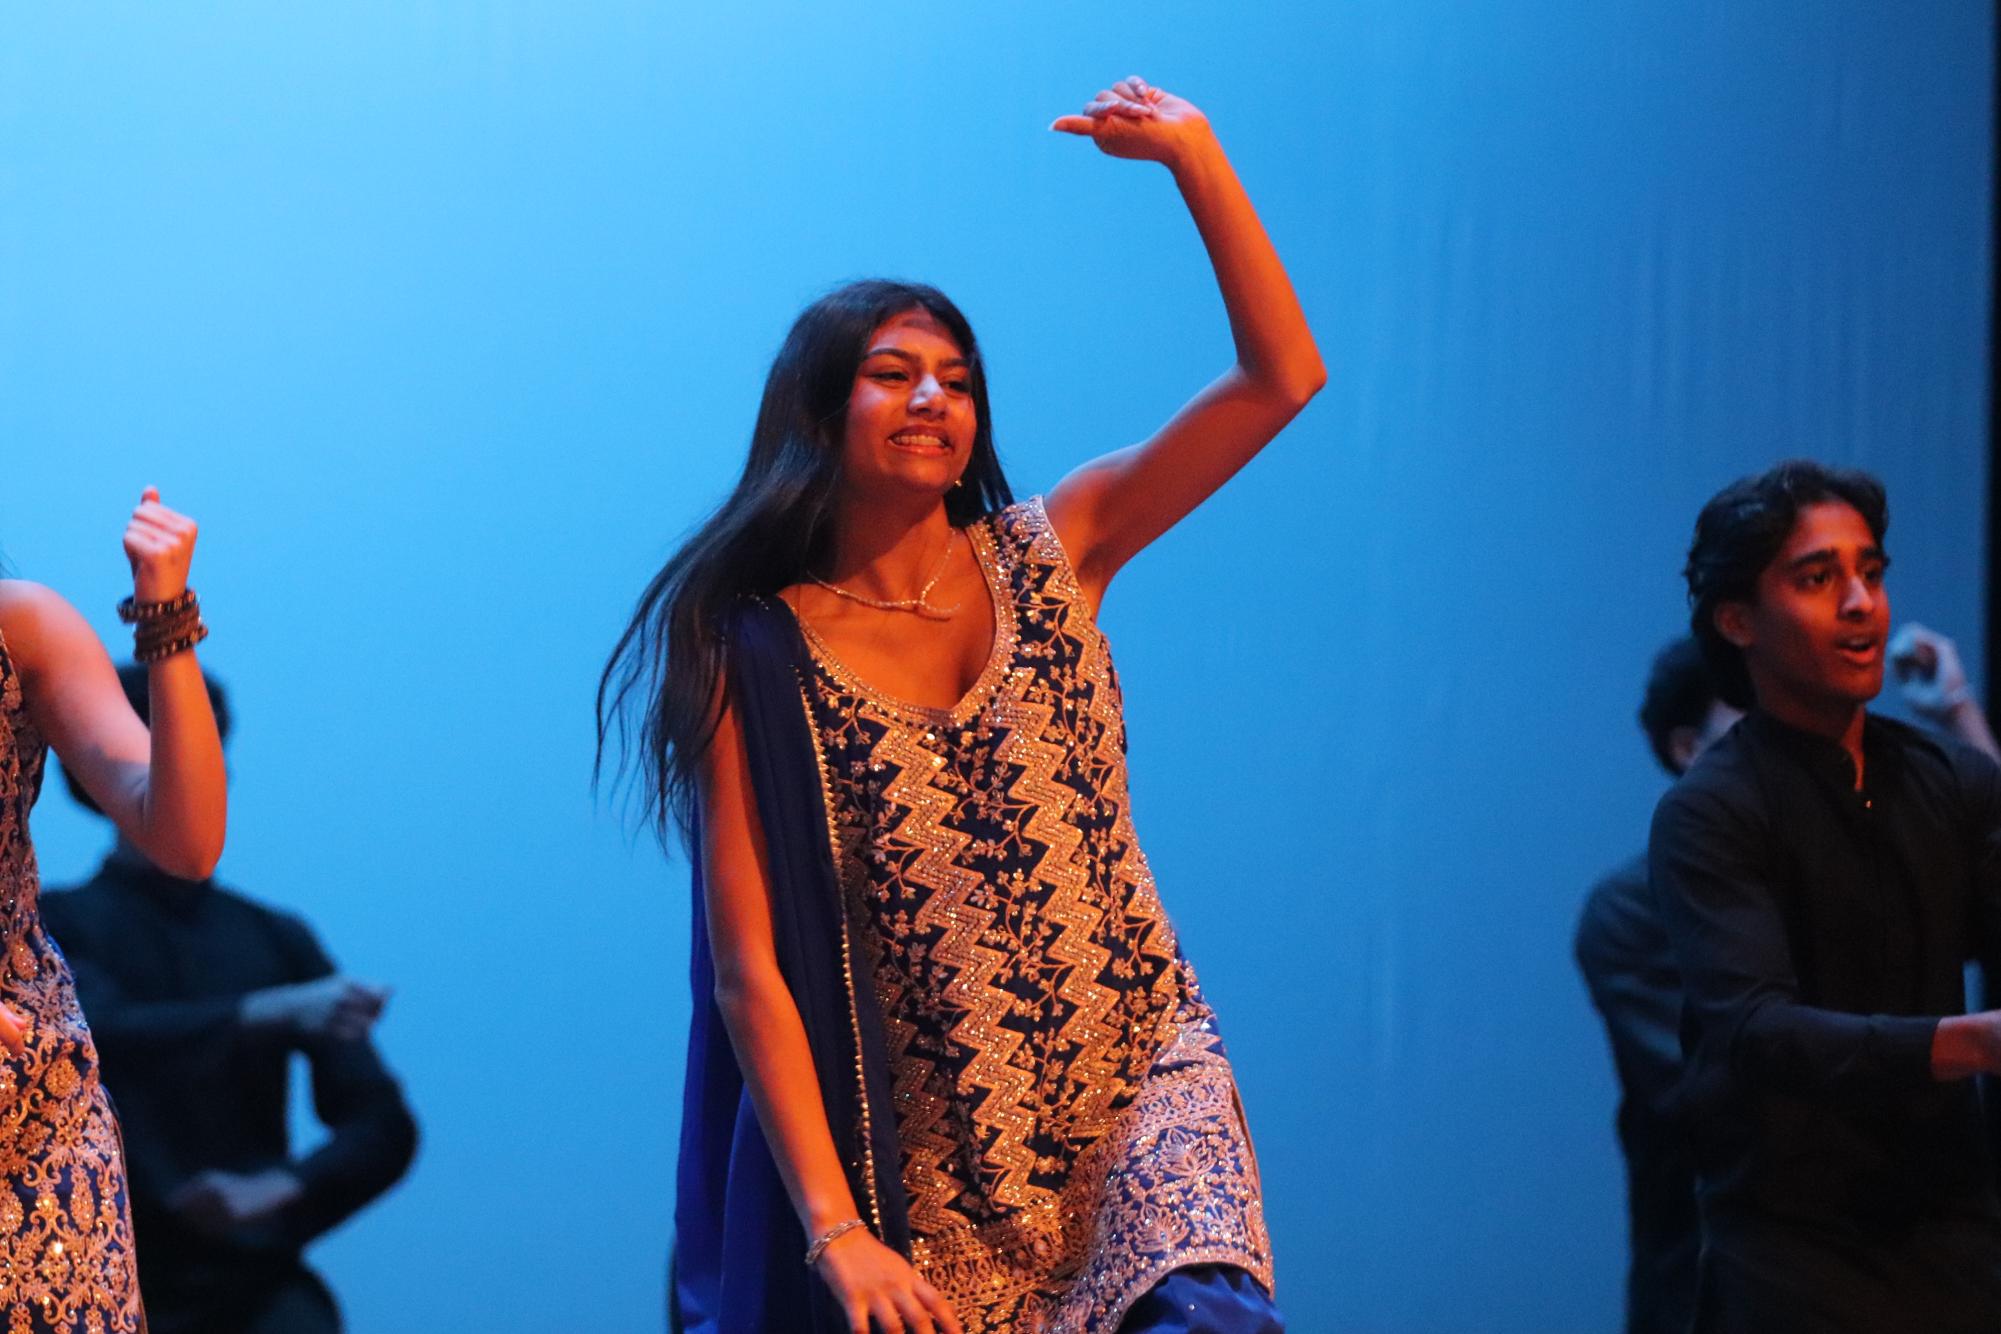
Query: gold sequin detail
x,y
1067,1117
65,1236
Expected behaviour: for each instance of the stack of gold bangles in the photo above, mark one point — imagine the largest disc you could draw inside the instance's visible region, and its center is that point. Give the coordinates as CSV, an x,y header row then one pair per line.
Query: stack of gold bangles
x,y
162,629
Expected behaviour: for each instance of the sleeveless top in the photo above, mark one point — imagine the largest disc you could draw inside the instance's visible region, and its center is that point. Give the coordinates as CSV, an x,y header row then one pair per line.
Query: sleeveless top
x,y
1068,1122
66,1259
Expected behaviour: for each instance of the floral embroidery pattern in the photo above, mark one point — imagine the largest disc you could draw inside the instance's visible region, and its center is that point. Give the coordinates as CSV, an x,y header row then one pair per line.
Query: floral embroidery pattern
x,y
66,1262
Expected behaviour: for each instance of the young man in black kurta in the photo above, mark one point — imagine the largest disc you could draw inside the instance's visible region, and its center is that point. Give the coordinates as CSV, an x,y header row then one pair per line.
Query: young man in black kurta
x,y
1824,876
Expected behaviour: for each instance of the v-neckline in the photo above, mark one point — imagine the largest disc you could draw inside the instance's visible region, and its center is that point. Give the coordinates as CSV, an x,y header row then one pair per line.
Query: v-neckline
x,y
979,534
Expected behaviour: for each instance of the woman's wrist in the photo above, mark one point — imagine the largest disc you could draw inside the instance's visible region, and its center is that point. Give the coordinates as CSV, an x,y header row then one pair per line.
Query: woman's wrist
x,y
162,629
1197,154
820,1215
826,1237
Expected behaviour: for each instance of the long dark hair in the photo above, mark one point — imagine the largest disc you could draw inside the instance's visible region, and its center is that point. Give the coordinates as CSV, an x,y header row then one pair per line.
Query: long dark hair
x,y
662,686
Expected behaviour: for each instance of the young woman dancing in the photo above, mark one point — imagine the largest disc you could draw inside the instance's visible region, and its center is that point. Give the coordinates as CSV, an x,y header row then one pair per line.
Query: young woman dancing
x,y
946,1048
65,1234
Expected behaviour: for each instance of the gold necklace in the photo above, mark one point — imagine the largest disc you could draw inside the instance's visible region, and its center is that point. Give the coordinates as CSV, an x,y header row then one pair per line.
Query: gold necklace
x,y
918,605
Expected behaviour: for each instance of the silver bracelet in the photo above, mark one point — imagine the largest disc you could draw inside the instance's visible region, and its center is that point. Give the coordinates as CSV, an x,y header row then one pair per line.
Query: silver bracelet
x,y
828,1238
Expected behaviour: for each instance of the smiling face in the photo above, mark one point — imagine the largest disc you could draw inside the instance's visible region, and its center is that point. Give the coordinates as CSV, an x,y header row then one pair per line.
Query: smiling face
x,y
1813,636
911,419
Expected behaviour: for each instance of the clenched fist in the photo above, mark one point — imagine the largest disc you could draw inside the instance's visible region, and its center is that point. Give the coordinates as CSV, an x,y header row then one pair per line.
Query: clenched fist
x,y
160,544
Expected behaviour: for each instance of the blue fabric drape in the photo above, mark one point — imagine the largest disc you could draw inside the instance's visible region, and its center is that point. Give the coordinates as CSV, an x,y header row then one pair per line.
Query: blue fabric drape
x,y
738,1243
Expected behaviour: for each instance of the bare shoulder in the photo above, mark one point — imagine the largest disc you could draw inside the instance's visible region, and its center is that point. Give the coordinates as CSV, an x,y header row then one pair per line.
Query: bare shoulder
x,y
1077,509
40,627
25,597
1070,502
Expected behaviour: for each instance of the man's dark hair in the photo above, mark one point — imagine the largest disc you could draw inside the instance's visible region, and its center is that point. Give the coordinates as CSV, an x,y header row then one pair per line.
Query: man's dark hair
x,y
1679,694
1741,531
132,676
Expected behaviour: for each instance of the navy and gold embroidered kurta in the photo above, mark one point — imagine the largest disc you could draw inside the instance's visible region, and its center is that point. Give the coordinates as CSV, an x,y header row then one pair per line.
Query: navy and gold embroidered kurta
x,y
1069,1125
65,1234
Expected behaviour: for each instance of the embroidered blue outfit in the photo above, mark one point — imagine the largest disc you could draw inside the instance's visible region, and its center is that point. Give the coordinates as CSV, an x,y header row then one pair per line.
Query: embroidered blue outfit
x,y
66,1263
1036,1106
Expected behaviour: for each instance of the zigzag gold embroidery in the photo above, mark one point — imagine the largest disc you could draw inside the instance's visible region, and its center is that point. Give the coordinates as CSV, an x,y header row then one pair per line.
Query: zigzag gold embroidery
x,y
1097,1072
1068,1123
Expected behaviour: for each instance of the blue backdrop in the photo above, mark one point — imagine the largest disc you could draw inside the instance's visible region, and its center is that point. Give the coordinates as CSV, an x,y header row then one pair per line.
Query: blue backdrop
x,y
445,319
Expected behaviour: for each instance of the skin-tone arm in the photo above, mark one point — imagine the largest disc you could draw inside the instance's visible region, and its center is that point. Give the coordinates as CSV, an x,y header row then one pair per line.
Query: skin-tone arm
x,y
1112,507
165,787
1967,1045
1933,682
871,1281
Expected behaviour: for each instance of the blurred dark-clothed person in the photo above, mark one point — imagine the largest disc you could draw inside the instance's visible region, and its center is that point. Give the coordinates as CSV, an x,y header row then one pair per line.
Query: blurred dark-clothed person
x,y
1628,965
198,998
1825,875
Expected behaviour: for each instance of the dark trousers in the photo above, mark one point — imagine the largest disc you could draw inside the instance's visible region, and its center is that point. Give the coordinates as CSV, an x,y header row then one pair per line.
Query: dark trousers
x,y
296,1304
1942,1277
1204,1299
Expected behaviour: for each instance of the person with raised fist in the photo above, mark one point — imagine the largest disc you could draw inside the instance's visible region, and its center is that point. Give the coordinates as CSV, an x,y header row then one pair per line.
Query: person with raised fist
x,y
66,1242
949,1069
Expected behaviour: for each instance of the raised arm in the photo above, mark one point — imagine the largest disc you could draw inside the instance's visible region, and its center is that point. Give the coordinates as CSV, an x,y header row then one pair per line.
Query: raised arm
x,y
163,788
870,1280
1111,507
1933,683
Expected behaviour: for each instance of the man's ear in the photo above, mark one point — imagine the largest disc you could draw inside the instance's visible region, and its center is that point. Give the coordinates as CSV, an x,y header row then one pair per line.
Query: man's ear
x,y
1733,621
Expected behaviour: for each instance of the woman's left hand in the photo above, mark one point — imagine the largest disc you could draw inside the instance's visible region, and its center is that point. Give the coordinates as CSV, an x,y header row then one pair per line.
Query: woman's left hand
x,y
1133,119
159,543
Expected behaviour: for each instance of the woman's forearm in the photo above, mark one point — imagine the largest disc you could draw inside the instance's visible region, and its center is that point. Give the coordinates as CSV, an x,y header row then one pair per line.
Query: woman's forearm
x,y
1275,348
777,1064
183,810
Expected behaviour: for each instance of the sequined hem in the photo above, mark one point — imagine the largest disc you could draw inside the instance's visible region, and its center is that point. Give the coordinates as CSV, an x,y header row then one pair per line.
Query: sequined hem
x,y
1175,1184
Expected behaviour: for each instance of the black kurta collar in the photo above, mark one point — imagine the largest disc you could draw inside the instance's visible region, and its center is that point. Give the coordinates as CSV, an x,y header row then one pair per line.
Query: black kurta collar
x,y
1827,759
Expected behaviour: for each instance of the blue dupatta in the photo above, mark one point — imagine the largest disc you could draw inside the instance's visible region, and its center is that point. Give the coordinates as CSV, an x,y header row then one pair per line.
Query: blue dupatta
x,y
738,1243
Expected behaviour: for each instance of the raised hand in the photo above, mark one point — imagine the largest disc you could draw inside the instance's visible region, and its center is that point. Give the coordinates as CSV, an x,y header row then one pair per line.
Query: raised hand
x,y
160,544
1928,671
13,1030
1133,119
879,1290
